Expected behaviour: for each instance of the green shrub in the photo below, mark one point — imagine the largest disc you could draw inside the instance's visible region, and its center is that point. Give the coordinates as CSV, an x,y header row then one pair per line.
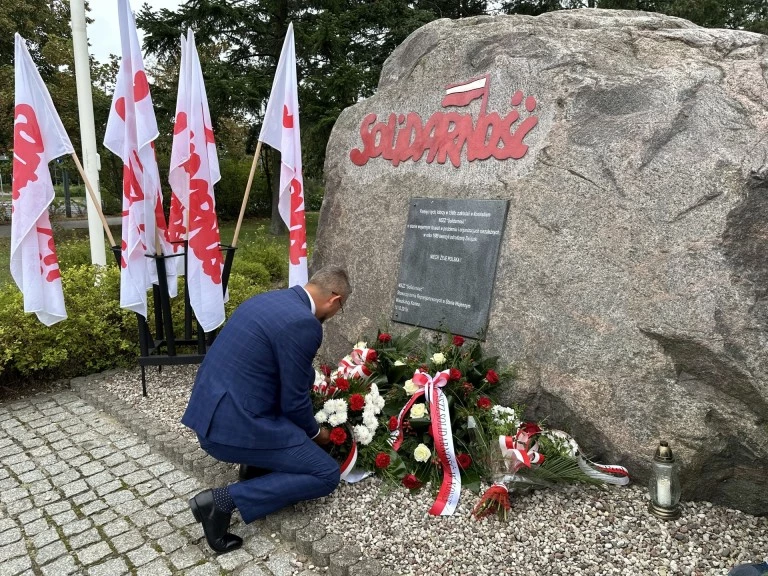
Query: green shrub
x,y
231,188
74,252
313,195
254,271
97,334
240,289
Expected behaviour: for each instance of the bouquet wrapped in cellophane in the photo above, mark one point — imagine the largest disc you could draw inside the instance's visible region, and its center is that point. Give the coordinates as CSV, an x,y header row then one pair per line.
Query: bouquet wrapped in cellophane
x,y
527,456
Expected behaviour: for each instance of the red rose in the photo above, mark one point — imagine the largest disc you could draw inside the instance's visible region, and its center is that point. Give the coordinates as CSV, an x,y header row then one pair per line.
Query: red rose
x,y
356,402
384,337
382,460
464,461
325,369
411,482
338,436
458,341
372,356
455,374
492,377
342,384
393,423
484,402
530,428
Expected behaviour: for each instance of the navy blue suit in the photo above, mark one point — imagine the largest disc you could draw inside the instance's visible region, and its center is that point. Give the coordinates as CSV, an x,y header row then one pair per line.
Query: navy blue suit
x,y
250,403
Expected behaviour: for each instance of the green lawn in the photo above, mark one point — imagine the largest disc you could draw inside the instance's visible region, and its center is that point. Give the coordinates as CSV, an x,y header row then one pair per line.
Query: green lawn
x,y
253,232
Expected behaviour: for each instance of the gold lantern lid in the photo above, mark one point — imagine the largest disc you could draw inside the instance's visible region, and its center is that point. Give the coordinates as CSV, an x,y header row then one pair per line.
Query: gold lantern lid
x,y
663,453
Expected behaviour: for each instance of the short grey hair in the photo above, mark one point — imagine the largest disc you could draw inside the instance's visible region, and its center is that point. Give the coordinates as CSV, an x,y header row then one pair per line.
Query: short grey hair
x,y
332,279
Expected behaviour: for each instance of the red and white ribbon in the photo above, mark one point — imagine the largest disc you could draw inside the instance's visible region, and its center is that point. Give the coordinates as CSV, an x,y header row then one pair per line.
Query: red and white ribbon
x,y
354,365
431,389
349,463
520,450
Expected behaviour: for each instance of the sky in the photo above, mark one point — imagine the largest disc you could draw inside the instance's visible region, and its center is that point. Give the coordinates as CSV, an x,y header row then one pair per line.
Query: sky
x,y
103,32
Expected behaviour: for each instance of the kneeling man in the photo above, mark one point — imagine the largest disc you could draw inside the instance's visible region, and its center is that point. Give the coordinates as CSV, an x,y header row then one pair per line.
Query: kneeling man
x,y
250,405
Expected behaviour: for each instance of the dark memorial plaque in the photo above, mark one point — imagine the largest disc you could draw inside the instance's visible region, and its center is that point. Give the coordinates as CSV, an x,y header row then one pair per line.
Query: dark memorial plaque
x,y
448,265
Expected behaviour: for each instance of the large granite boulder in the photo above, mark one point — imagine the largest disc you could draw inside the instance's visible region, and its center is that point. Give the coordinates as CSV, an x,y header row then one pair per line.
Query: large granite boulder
x,y
632,283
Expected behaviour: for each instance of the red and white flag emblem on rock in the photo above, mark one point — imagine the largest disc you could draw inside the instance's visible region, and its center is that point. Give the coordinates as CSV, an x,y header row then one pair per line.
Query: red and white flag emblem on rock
x,y
131,130
281,131
38,138
194,171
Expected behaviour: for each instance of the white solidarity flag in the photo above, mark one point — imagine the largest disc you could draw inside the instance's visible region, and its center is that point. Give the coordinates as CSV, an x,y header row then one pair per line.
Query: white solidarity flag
x,y
193,173
131,131
281,131
38,138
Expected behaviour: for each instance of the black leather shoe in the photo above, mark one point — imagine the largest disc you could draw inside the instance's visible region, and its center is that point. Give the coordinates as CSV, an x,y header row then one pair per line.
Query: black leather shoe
x,y
215,523
247,472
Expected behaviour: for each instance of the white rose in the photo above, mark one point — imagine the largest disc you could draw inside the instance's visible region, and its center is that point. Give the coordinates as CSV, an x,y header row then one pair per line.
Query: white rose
x,y
410,387
399,363
418,410
321,417
422,453
438,358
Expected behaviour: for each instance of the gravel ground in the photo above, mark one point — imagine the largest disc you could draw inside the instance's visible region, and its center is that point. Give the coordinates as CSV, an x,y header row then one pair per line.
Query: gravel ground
x,y
576,530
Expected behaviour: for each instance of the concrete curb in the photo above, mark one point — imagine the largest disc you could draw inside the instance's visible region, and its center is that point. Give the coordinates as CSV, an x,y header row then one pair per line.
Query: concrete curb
x,y
308,535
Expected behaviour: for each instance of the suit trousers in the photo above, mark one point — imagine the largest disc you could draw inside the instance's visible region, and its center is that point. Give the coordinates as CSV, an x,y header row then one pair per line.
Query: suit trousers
x,y
301,472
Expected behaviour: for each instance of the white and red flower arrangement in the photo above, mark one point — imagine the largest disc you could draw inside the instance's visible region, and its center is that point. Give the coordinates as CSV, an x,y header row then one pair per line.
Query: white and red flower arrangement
x,y
347,401
427,415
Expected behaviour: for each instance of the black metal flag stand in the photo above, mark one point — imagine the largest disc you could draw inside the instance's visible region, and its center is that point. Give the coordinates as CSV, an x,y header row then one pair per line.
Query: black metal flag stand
x,y
151,348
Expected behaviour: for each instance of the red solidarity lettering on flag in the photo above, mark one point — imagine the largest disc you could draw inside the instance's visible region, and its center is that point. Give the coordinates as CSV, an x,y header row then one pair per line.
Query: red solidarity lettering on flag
x,y
298,233
140,91
287,118
133,192
27,148
203,226
204,229
49,260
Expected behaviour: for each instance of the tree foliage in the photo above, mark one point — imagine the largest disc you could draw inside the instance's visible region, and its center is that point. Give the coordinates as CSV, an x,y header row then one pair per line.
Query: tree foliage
x,y
751,15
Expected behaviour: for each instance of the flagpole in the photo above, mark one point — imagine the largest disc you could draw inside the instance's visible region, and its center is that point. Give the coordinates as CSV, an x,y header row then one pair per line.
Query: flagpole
x,y
96,203
87,125
247,193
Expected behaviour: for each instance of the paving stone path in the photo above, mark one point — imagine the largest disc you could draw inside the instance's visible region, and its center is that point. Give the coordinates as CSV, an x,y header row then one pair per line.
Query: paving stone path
x,y
81,493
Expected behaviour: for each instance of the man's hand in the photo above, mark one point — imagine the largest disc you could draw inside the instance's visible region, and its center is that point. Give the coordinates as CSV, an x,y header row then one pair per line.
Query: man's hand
x,y
323,437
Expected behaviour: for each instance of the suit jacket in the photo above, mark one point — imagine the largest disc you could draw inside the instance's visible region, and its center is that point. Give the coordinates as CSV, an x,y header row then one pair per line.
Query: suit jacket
x,y
252,389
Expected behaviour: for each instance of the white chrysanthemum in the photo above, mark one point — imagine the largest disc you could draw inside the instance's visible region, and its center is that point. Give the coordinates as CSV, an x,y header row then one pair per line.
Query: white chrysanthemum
x,y
362,435
374,391
379,404
337,418
321,417
410,387
418,410
399,363
438,358
361,344
422,453
337,406
370,422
